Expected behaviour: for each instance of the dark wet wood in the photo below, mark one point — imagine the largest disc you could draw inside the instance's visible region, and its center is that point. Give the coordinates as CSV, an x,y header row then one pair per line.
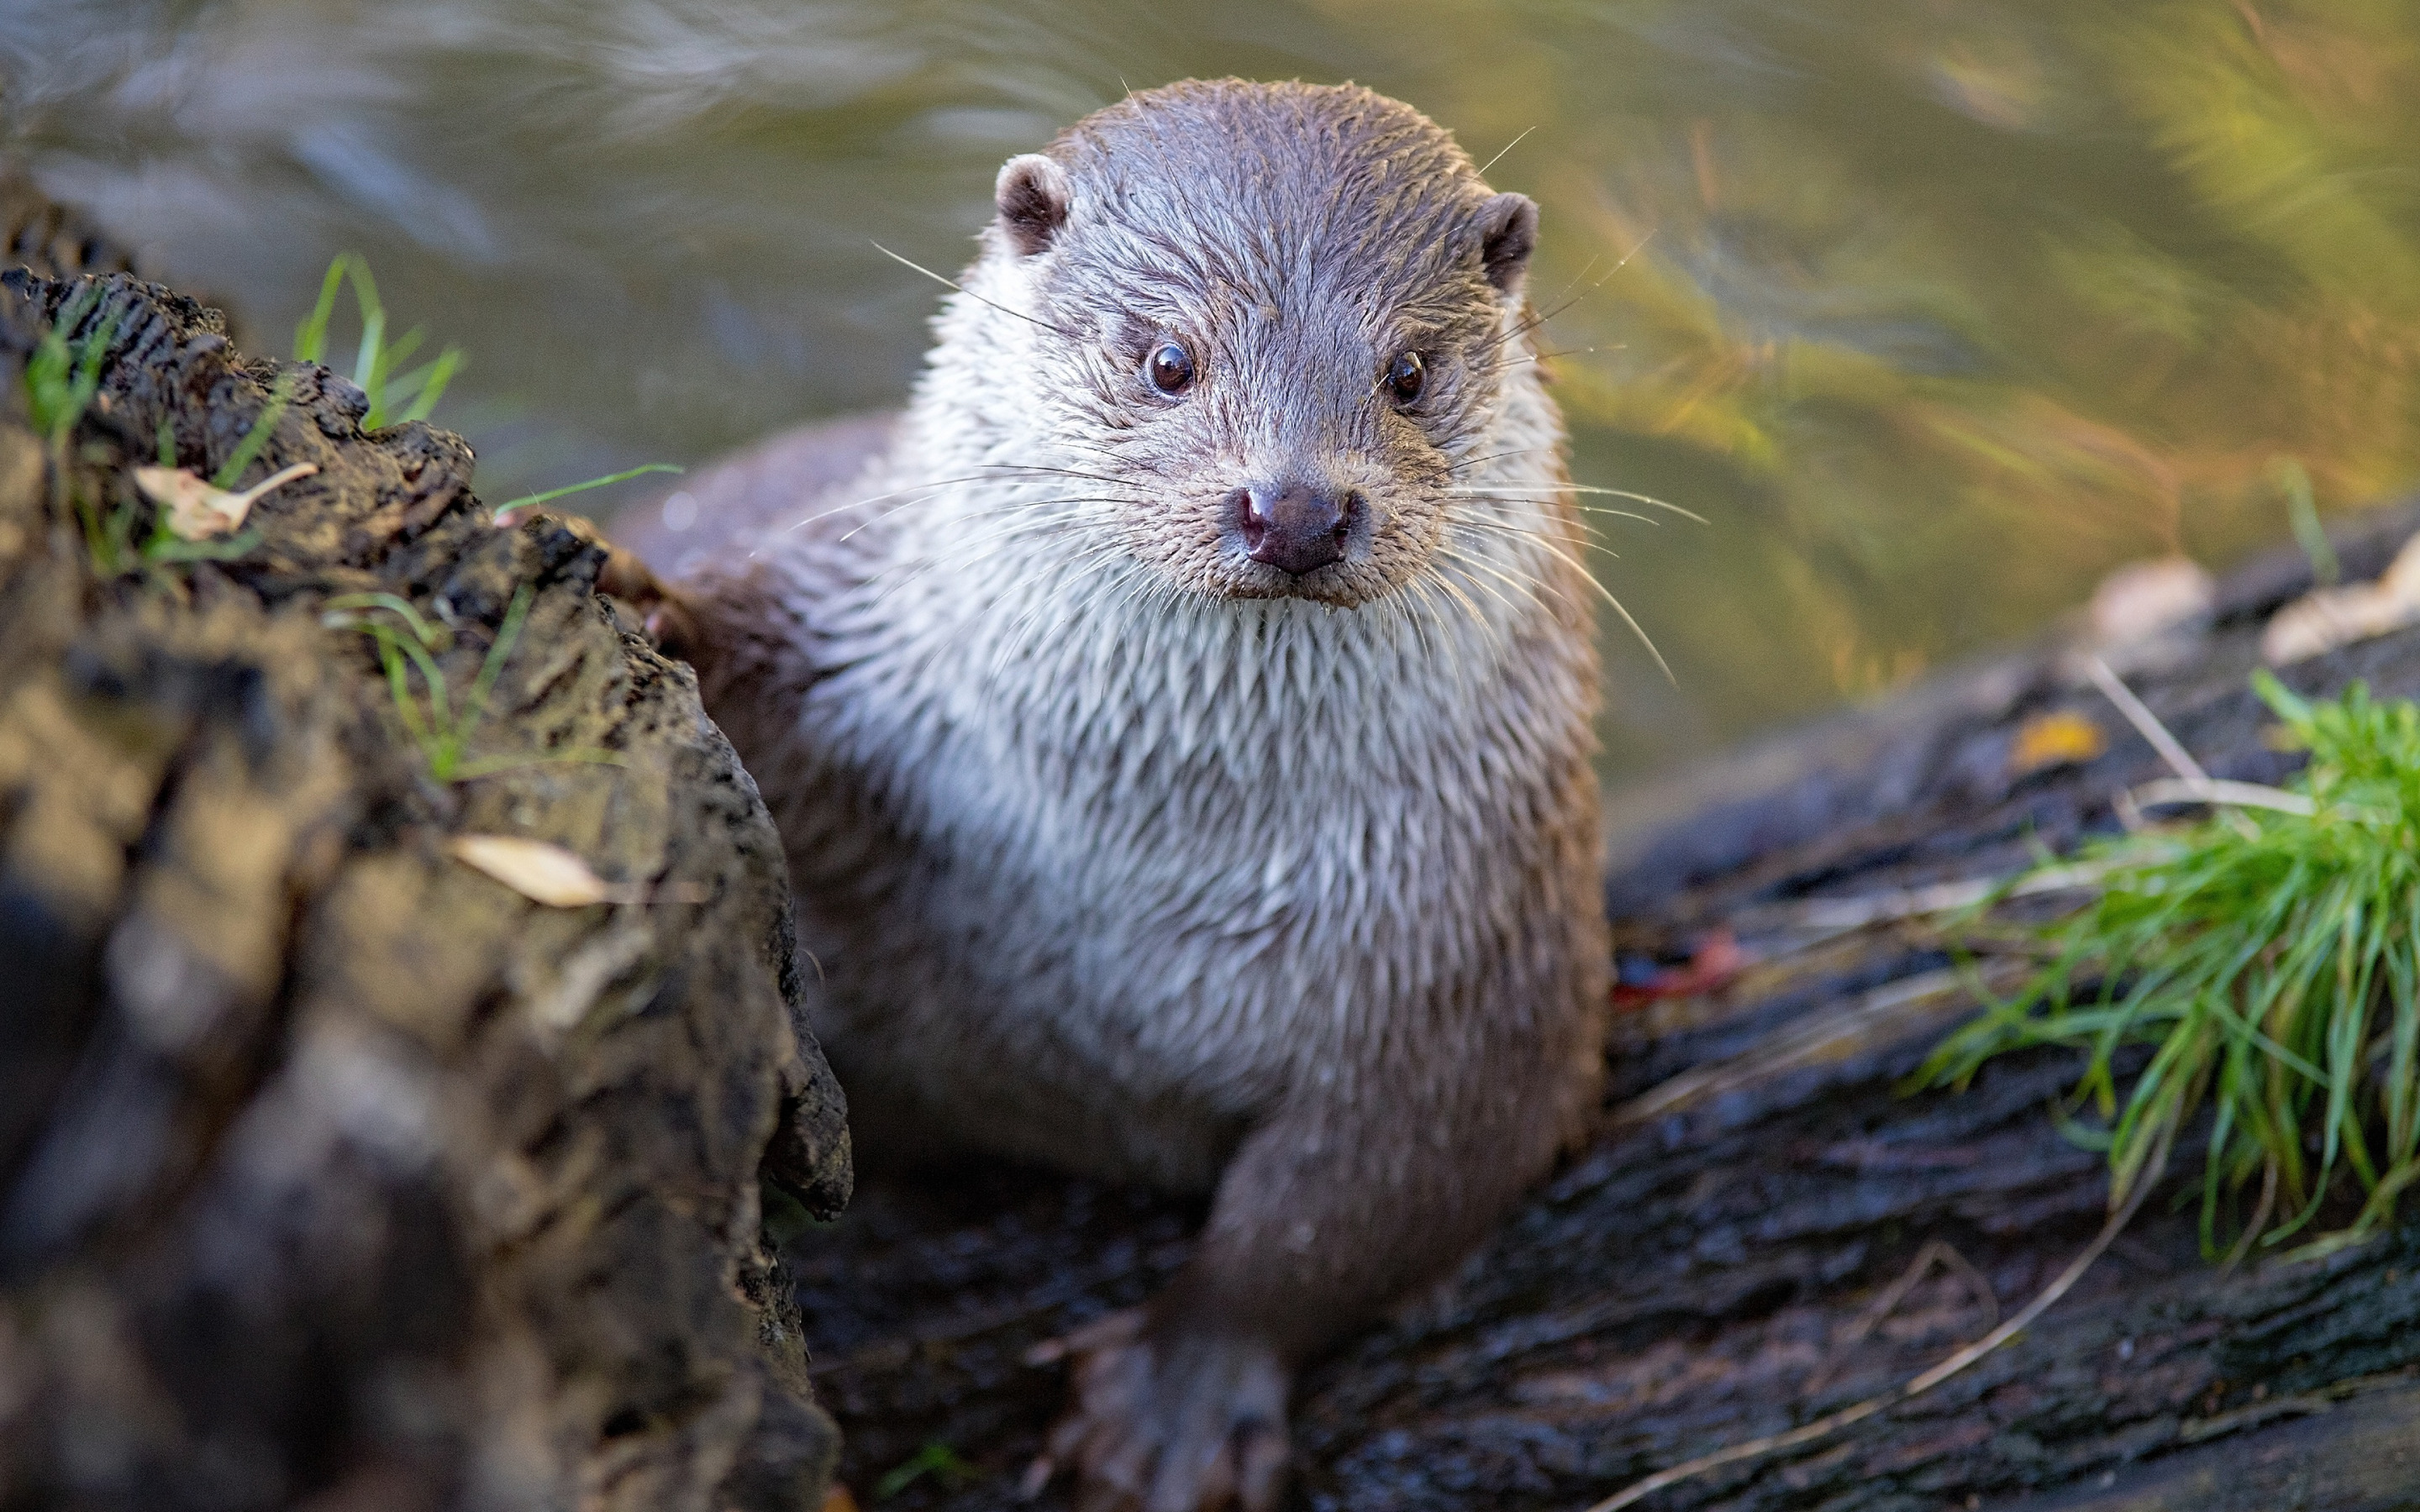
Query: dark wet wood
x,y
1707,1270
333,1173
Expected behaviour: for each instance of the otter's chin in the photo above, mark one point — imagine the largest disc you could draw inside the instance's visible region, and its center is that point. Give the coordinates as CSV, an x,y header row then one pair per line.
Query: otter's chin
x,y
1346,584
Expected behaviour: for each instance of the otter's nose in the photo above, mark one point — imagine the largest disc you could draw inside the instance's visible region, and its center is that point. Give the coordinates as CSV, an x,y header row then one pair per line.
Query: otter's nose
x,y
1295,528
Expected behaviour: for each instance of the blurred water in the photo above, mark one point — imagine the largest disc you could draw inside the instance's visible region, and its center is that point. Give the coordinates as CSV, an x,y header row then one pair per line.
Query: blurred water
x,y
1945,305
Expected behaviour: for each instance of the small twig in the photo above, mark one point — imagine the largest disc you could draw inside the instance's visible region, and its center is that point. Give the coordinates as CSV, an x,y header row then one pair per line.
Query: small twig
x,y
2146,723
2197,1430
1937,1252
1831,1423
2267,1205
1888,1010
1940,898
2128,812
2169,790
2171,749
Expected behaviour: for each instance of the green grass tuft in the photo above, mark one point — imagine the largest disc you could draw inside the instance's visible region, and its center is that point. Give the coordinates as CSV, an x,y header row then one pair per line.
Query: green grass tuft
x,y
936,1459
441,732
407,642
2271,960
61,379
394,396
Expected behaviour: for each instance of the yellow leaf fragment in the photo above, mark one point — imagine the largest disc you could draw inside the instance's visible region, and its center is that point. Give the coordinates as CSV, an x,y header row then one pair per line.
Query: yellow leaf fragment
x,y
2061,739
201,510
537,869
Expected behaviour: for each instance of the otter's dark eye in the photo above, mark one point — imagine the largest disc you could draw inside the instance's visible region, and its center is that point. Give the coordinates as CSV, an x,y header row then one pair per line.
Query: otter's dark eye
x,y
1406,375
1170,369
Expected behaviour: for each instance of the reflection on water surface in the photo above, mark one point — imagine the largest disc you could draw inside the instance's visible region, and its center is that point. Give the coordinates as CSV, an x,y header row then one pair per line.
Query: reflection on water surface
x,y
1944,305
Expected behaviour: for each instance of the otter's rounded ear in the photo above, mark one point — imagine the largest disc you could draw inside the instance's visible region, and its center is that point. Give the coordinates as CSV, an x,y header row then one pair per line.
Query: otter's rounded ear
x,y
1508,226
1032,199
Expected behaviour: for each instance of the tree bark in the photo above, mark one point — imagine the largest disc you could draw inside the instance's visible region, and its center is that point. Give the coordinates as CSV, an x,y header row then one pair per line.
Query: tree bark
x,y
1708,1270
334,1173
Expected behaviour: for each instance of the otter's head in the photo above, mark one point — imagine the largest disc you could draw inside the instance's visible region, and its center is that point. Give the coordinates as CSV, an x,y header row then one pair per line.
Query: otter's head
x,y
1272,322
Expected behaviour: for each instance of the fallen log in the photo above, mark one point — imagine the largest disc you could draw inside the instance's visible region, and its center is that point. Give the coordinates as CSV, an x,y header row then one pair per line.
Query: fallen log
x,y
1765,1230
335,1172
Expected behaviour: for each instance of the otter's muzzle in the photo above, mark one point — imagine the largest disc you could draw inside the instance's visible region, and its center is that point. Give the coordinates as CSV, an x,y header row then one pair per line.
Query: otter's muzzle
x,y
1293,526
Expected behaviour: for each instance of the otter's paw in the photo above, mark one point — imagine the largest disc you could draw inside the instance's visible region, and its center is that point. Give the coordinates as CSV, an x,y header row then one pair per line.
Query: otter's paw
x,y
1163,1420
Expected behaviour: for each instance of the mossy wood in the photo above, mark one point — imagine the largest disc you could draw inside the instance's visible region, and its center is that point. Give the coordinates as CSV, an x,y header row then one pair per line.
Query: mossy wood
x,y
1714,1266
333,1172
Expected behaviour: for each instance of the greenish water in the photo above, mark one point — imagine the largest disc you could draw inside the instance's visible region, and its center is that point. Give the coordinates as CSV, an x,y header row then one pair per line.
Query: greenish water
x,y
1943,307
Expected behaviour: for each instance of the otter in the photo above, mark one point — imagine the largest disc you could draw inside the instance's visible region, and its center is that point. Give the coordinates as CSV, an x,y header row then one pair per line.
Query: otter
x,y
1181,733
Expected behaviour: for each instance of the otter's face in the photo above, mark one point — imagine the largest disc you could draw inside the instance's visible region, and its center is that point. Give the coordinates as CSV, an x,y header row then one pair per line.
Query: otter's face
x,y
1274,332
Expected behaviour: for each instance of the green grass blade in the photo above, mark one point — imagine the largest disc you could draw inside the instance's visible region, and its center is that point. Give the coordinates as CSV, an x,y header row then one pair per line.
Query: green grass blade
x,y
257,435
311,336
398,685
337,610
369,368
492,667
582,487
430,380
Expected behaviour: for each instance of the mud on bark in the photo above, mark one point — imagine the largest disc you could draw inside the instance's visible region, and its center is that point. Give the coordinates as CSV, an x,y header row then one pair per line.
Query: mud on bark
x,y
332,1171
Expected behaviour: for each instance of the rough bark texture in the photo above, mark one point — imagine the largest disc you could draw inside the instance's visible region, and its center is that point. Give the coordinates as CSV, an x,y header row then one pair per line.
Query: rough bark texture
x,y
1707,1271
333,1173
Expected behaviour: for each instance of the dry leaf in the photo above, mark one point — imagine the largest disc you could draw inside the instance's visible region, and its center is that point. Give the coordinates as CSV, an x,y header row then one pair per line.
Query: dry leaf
x,y
539,871
2139,600
838,1500
2332,617
199,511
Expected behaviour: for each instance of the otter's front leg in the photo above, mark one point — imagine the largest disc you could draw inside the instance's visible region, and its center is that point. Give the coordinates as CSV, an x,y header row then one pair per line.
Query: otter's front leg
x,y
1356,1192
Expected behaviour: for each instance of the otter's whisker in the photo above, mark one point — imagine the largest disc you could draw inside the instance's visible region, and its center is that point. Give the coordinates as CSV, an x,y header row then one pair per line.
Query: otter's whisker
x,y
952,554
1494,457
1528,586
1591,489
1537,319
932,489
971,294
1409,609
1478,619
1506,148
1420,584
1011,506
1583,509
1465,560
1519,533
1069,472
1590,579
